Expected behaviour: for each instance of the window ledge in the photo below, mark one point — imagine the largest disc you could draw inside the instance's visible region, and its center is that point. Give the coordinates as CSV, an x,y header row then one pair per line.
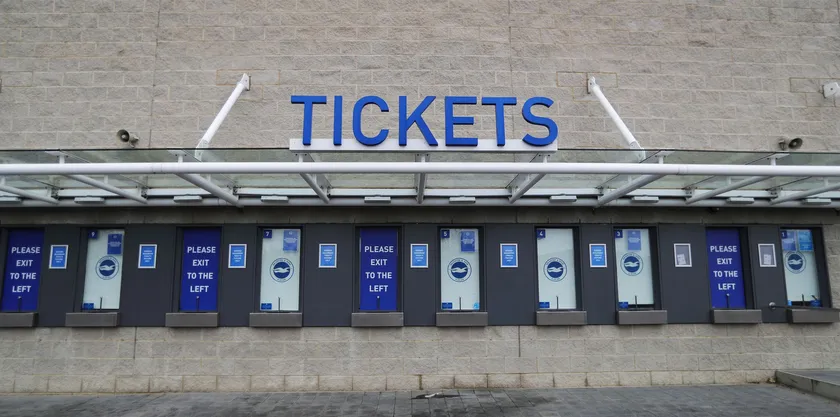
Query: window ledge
x,y
285,319
92,319
561,318
736,316
18,319
377,319
813,315
210,319
643,317
461,319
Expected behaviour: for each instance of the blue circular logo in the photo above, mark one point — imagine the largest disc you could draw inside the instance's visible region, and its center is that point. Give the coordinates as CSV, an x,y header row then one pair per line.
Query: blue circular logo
x,y
554,269
631,264
281,269
459,270
795,262
107,267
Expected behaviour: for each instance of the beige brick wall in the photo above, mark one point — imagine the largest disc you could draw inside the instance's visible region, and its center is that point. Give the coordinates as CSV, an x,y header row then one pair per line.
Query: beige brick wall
x,y
336,359
683,74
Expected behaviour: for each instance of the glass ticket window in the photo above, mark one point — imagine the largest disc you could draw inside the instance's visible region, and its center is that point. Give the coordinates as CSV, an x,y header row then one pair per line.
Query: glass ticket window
x,y
800,263
634,268
280,270
103,269
460,289
556,265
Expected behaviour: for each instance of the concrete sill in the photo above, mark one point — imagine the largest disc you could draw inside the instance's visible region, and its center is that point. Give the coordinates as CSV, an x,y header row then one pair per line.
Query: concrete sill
x,y
192,319
290,319
643,317
461,319
92,319
18,319
813,316
736,316
384,319
561,318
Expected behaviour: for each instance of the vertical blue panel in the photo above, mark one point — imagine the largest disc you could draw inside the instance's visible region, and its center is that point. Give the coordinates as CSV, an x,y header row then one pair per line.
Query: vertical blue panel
x,y
23,270
725,271
378,269
200,269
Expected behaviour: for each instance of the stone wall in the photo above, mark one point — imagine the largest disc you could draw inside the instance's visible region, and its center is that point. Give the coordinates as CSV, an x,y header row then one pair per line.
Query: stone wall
x,y
334,359
683,73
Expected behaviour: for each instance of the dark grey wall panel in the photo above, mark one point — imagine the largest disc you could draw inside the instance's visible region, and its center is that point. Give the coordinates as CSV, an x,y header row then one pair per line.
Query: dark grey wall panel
x,y
146,294
819,252
510,292
328,292
420,285
57,293
768,283
237,286
685,291
4,247
598,284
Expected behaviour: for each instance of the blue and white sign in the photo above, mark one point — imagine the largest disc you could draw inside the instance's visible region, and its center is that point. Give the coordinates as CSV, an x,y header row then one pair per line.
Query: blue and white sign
x,y
795,262
597,255
632,264
107,267
509,254
459,270
725,271
805,240
115,243
327,254
58,256
147,259
23,270
282,269
237,255
419,255
200,269
379,266
444,233
467,241
555,269
540,233
788,240
290,240
634,240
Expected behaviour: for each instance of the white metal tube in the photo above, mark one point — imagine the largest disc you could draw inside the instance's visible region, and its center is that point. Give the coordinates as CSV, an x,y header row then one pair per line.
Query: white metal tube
x,y
150,168
211,188
807,193
725,189
420,179
527,185
313,183
107,187
27,194
625,132
244,82
626,189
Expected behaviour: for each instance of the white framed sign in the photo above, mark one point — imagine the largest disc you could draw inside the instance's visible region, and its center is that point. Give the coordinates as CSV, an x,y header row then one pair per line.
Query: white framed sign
x,y
419,255
682,255
509,253
147,259
327,255
237,255
597,255
767,255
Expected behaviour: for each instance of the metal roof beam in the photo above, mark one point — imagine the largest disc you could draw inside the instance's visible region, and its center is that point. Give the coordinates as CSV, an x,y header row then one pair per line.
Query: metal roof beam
x,y
313,183
420,178
807,193
108,187
211,188
626,189
24,193
318,182
733,186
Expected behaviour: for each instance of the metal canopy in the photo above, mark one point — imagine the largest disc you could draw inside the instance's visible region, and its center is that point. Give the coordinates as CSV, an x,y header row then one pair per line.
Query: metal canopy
x,y
277,177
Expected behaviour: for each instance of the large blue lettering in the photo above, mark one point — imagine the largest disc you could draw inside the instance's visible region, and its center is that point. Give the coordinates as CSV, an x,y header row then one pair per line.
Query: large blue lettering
x,y
357,120
499,103
416,117
452,120
307,102
337,118
539,120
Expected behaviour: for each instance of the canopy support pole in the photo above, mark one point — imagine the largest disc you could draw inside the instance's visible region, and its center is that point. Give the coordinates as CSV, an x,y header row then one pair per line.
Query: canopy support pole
x,y
211,188
594,88
807,193
725,189
243,84
524,182
26,194
318,182
420,179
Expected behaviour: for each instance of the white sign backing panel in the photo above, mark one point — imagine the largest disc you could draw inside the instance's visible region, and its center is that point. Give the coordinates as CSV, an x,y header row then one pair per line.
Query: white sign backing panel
x,y
459,269
556,266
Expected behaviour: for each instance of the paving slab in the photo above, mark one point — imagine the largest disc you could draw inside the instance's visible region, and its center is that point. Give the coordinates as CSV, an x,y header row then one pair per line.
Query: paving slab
x,y
694,401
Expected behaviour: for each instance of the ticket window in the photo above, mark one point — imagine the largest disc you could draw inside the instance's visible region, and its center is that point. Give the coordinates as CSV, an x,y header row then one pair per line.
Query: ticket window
x,y
726,268
378,269
103,269
22,275
460,273
280,270
801,269
200,254
634,268
557,273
